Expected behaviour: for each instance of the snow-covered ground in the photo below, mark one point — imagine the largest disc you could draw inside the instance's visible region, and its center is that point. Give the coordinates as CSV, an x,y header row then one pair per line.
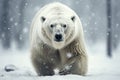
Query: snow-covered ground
x,y
100,66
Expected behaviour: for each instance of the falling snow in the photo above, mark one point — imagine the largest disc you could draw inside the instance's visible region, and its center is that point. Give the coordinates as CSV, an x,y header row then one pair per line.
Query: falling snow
x,y
94,21
56,71
69,55
11,19
25,30
15,23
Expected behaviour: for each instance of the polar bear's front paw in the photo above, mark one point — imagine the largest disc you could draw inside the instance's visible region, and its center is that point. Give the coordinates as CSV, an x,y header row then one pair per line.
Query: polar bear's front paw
x,y
65,70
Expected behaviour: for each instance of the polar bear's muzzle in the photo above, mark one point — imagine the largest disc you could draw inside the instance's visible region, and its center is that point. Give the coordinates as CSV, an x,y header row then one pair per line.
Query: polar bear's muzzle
x,y
58,37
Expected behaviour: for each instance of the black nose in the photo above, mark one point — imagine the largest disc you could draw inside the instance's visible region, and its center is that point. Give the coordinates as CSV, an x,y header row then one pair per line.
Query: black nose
x,y
58,37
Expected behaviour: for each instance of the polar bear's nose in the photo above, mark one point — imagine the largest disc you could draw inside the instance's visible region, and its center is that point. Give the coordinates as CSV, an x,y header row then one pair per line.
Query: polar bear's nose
x,y
58,37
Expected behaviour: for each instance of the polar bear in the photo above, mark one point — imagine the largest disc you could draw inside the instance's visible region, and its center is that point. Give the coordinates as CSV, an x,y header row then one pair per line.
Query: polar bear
x,y
57,41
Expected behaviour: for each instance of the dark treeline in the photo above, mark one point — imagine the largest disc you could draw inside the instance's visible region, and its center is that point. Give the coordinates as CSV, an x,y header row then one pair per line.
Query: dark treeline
x,y
12,22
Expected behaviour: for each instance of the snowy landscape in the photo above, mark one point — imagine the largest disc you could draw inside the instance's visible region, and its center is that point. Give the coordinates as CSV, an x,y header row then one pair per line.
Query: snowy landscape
x,y
15,21
100,66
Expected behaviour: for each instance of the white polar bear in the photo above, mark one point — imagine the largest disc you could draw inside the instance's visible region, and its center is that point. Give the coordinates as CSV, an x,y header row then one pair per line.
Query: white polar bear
x,y
57,30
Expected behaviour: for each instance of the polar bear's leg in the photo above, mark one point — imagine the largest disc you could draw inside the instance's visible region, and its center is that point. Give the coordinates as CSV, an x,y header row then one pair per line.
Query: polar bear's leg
x,y
41,65
43,68
76,65
84,64
46,69
80,66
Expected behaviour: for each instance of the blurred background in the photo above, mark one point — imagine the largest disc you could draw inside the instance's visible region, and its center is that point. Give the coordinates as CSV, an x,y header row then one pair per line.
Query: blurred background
x,y
100,19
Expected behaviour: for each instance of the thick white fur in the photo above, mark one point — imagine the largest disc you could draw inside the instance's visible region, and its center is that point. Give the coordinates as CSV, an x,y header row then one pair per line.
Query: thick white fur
x,y
48,11
74,44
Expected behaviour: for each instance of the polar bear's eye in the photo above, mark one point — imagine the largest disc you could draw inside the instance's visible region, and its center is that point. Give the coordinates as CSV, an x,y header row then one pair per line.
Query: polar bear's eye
x,y
64,25
51,25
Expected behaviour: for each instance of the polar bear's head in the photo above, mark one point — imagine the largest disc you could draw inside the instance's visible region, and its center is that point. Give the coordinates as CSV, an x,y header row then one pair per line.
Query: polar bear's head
x,y
58,30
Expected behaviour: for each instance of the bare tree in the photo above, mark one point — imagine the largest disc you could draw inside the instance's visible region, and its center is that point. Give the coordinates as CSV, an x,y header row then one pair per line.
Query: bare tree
x,y
19,36
5,29
109,29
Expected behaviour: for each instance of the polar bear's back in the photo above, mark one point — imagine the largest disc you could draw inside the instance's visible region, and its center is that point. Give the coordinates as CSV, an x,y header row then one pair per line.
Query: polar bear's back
x,y
55,8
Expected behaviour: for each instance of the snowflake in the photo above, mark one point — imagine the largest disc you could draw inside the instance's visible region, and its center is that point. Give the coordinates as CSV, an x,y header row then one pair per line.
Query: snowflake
x,y
9,28
52,59
16,7
56,71
46,67
116,36
107,33
37,8
19,14
11,19
68,67
85,31
69,55
87,6
28,22
20,37
77,2
26,4
16,24
93,14
85,24
44,63
3,35
95,23
117,25
25,30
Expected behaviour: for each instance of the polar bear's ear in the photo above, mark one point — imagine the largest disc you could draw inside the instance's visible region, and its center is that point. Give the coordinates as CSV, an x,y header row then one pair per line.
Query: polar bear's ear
x,y
73,18
43,18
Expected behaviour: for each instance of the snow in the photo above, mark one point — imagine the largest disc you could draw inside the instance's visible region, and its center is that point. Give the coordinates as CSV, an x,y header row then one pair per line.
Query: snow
x,y
117,25
57,77
15,23
100,66
10,67
11,19
25,30
69,55
56,71
3,35
67,67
